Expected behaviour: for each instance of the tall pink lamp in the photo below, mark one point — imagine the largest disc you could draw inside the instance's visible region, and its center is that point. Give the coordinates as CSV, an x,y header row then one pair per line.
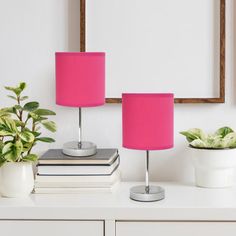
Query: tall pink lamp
x,y
80,82
147,125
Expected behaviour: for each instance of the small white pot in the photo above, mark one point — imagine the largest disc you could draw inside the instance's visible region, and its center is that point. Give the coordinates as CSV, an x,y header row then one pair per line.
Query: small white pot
x,y
16,179
214,168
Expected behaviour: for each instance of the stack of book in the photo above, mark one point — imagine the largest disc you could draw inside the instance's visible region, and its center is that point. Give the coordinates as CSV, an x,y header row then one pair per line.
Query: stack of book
x,y
59,173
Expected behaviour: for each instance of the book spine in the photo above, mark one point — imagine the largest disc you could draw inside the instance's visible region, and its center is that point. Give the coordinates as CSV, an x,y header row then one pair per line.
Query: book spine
x,y
81,172
78,179
75,190
88,163
75,185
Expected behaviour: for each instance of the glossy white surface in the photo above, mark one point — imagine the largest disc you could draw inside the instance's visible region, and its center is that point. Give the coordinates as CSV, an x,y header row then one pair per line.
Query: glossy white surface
x,y
175,228
51,228
183,202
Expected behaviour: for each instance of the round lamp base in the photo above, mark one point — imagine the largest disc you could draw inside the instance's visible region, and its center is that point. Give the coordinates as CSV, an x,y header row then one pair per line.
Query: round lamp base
x,y
139,193
74,149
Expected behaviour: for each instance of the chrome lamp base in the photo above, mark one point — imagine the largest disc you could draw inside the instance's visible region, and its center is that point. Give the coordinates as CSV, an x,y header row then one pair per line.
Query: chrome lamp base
x,y
147,194
77,149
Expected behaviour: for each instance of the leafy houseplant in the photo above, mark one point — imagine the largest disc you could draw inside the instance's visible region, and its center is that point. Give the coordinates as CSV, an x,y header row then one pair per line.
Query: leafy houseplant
x,y
224,137
20,127
213,155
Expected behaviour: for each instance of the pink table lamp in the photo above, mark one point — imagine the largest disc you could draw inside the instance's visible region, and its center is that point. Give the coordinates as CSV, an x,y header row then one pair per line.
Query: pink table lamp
x,y
147,125
80,82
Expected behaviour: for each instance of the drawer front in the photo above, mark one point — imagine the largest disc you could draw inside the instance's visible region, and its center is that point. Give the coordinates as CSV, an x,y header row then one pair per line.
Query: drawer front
x,y
49,228
176,228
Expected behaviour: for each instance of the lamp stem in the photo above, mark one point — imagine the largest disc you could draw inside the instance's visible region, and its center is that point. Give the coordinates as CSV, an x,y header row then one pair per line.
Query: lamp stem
x,y
80,127
147,172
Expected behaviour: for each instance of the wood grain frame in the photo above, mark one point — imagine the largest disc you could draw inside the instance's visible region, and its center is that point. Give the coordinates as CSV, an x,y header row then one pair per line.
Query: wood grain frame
x,y
220,99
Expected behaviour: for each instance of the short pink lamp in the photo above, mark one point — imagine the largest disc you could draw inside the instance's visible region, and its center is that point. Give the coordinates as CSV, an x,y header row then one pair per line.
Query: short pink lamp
x,y
80,82
147,125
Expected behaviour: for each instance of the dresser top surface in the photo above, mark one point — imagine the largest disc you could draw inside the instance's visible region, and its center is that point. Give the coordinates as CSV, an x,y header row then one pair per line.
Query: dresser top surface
x,y
182,202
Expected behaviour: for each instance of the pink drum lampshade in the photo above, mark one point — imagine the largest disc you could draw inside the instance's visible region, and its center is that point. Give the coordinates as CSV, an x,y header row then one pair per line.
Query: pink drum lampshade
x,y
148,121
80,79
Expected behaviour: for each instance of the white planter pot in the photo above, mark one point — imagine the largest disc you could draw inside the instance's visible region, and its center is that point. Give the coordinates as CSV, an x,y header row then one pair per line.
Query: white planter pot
x,y
214,168
16,179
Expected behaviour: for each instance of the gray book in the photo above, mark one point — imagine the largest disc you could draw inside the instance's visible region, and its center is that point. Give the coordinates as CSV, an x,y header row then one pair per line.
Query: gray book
x,y
78,170
105,156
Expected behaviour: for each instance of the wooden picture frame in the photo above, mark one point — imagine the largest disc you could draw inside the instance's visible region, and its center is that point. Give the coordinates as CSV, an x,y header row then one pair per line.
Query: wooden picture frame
x,y
220,99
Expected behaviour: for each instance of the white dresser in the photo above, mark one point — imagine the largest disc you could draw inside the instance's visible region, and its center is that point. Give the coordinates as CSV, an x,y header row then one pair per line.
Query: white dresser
x,y
187,210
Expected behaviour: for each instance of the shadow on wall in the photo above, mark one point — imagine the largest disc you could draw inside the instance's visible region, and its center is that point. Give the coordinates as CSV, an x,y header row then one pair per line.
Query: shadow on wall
x,y
73,25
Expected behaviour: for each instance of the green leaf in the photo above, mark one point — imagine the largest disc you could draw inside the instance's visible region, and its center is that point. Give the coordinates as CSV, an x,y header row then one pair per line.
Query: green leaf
x,y
1,147
193,134
31,106
18,107
30,157
22,85
198,143
36,134
19,123
37,117
214,141
224,131
24,98
50,125
34,116
16,90
18,148
4,114
10,88
41,118
230,140
9,110
10,124
198,133
5,133
2,161
189,136
7,125
27,136
12,97
7,147
44,112
45,139
8,153
27,146
11,151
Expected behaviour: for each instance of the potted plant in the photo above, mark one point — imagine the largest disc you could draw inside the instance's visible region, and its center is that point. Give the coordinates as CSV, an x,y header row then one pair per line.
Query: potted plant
x,y
19,133
213,155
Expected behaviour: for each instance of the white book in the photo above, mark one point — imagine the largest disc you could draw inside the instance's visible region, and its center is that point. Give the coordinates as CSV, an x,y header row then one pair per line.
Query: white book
x,y
75,190
77,181
78,169
76,178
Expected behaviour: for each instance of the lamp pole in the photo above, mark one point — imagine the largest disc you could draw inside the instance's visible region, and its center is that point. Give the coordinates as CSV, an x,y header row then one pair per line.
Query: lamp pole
x,y
147,172
80,128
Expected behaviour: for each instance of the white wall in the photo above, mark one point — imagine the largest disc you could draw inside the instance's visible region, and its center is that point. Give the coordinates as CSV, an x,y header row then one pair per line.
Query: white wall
x,y
32,30
170,42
